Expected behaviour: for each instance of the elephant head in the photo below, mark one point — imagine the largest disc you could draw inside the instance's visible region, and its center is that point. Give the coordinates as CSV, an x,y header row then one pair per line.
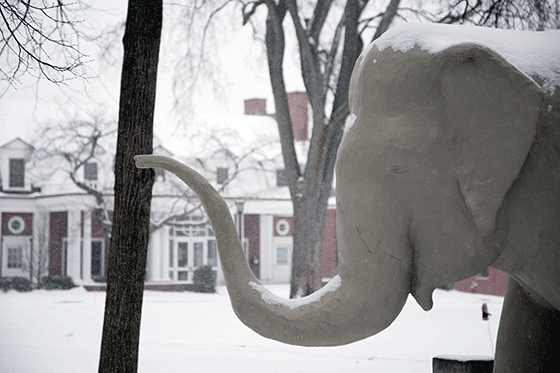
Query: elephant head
x,y
422,174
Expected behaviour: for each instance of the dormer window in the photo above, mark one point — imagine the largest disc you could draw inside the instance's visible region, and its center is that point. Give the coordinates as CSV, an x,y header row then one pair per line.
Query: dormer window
x,y
90,171
222,175
17,173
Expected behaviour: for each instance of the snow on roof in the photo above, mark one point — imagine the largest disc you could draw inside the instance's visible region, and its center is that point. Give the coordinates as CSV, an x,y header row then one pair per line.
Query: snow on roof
x,y
16,142
217,140
236,132
535,53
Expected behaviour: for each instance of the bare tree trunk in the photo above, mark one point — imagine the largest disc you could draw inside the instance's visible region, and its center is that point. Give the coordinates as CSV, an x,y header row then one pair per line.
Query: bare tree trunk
x,y
133,189
309,223
309,215
310,188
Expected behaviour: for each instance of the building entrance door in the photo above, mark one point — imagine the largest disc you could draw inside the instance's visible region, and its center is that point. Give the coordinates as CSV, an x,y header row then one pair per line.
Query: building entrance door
x,y
282,261
191,248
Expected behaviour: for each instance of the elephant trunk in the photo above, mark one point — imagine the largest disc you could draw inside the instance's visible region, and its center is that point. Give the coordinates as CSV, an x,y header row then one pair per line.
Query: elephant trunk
x,y
352,306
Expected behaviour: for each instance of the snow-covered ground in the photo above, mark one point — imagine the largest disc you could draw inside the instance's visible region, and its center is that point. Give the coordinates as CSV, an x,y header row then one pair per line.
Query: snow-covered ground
x,y
60,331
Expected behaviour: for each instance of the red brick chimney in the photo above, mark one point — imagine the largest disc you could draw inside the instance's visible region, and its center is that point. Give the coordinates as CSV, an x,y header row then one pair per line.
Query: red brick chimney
x,y
255,106
297,103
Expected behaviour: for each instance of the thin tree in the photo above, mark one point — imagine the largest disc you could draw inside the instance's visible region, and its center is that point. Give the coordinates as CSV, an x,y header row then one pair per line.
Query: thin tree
x,y
329,40
78,142
133,189
326,67
36,260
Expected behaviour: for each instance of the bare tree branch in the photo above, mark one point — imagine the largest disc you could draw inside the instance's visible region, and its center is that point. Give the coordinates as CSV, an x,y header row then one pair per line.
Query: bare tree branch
x,y
40,39
77,142
511,14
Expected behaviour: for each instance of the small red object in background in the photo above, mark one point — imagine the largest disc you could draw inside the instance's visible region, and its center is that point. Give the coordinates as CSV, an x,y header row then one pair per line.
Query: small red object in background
x,y
485,312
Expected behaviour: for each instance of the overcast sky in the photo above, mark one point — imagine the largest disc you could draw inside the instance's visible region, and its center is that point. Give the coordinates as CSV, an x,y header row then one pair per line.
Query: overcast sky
x,y
27,105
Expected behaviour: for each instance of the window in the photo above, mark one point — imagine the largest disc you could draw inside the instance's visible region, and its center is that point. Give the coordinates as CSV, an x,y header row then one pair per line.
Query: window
x,y
281,178
16,225
90,171
191,247
199,231
171,251
198,254
17,172
222,175
15,257
281,256
212,253
282,227
183,276
183,254
96,258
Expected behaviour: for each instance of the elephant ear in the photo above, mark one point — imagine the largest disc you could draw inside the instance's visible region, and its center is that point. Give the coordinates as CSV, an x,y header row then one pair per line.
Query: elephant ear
x,y
493,110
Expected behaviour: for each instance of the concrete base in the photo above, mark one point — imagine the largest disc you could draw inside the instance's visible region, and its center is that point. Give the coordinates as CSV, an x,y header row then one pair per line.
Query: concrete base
x,y
462,364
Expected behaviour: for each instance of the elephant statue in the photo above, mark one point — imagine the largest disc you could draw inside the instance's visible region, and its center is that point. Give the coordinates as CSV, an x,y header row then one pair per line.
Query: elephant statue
x,y
451,165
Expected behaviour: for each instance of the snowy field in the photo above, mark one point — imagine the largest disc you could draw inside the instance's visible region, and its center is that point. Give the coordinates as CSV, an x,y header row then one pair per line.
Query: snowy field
x,y
60,331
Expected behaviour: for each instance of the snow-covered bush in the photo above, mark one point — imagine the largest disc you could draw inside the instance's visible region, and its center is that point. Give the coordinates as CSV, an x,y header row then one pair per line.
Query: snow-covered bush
x,y
57,283
204,280
20,284
5,283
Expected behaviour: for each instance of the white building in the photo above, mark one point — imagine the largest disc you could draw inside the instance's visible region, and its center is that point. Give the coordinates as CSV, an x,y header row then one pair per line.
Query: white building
x,y
50,225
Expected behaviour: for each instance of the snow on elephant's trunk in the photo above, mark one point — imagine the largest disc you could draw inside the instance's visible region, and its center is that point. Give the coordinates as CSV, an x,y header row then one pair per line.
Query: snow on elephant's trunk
x,y
357,303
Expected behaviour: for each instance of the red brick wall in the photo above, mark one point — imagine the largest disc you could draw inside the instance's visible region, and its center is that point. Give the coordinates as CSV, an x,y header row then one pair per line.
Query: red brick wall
x,y
255,106
58,229
297,104
252,232
495,284
27,218
96,228
329,252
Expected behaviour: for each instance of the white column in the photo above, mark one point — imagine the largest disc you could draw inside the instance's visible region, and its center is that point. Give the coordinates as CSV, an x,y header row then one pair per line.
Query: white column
x,y
154,258
149,270
86,260
266,239
164,234
74,257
